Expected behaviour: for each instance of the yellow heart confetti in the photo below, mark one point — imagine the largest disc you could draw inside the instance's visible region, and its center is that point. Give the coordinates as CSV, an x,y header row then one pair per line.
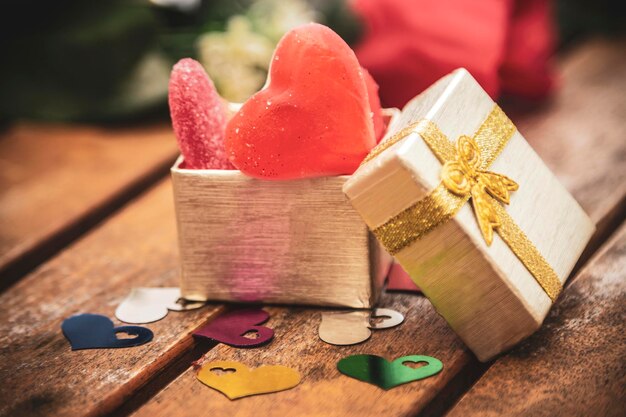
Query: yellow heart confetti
x,y
240,381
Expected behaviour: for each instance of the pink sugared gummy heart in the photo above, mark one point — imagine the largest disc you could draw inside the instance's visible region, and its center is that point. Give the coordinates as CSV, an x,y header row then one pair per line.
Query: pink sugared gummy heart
x,y
199,117
313,117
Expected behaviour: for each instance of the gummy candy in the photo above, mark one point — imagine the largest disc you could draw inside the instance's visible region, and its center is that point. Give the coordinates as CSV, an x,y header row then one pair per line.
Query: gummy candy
x,y
199,117
312,118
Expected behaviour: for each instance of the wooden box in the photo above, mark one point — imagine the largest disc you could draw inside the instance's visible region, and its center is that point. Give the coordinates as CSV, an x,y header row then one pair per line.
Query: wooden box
x,y
295,242
486,292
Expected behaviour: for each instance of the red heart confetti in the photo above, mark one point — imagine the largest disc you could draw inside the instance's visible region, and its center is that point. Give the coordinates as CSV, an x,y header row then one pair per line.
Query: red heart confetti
x,y
231,327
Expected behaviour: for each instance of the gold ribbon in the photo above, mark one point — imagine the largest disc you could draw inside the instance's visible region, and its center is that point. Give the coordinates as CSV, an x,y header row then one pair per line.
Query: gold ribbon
x,y
465,176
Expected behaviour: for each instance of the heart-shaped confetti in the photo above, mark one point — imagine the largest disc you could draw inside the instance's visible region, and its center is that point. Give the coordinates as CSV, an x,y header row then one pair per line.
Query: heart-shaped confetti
x,y
386,375
313,117
93,331
230,328
145,305
345,328
240,381
385,318
341,328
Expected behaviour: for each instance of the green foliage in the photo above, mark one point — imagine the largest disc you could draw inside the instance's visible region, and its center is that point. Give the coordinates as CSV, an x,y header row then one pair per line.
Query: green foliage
x,y
64,60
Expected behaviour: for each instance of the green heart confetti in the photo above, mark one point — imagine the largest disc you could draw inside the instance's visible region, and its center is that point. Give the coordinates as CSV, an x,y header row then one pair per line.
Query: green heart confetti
x,y
380,372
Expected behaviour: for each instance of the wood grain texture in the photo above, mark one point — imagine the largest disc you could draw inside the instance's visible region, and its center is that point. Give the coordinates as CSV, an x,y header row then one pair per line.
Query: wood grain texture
x,y
424,330
574,365
485,292
323,390
40,374
578,133
55,180
289,242
138,247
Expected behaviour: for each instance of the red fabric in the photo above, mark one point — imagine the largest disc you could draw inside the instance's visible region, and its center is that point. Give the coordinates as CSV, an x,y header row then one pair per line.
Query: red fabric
x,y
408,45
526,70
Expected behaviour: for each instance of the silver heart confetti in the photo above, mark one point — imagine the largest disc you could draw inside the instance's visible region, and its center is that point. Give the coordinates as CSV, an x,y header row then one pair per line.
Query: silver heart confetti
x,y
146,305
349,328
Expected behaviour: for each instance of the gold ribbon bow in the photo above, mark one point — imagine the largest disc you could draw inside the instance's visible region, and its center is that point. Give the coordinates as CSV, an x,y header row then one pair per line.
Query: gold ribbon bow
x,y
465,175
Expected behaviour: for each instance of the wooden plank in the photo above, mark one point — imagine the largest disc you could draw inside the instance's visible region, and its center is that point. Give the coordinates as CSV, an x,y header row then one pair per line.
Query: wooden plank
x,y
324,390
137,247
580,133
574,365
57,180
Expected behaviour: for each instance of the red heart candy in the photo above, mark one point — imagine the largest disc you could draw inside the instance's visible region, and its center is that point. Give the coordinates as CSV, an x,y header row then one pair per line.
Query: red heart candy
x,y
375,107
312,119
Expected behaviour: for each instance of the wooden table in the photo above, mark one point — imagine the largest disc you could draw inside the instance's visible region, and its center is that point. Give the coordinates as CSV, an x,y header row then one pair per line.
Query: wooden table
x,y
86,214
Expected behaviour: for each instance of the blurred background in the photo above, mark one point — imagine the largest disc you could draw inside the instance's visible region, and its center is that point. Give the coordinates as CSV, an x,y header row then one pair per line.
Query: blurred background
x,y
109,61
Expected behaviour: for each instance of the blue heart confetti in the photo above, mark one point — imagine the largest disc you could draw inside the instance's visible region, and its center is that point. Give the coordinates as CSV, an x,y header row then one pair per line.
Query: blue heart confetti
x,y
93,331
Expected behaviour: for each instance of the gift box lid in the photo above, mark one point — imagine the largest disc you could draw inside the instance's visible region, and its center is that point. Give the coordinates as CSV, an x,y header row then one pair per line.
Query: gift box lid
x,y
441,161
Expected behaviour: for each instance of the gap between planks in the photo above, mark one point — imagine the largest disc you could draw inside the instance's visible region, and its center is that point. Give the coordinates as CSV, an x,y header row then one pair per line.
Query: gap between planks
x,y
297,345
582,70
135,246
58,182
445,403
50,246
573,366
